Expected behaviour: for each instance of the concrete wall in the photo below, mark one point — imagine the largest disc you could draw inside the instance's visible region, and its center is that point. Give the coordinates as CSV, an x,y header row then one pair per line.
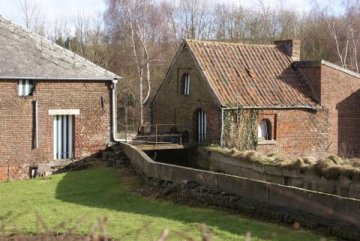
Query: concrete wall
x,y
91,127
215,161
330,207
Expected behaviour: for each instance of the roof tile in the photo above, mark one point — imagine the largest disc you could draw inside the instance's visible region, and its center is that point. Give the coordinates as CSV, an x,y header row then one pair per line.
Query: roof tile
x,y
251,75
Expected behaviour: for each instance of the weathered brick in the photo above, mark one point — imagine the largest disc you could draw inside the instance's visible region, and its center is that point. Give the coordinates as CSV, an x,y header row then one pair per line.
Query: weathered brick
x,y
91,131
295,131
339,92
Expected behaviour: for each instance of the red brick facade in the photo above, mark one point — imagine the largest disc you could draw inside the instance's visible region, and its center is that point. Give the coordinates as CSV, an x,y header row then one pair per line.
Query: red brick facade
x,y
338,91
91,126
295,131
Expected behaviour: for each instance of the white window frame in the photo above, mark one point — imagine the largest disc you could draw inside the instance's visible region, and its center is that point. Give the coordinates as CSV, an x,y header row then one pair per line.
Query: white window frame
x,y
201,127
25,87
63,137
264,129
186,83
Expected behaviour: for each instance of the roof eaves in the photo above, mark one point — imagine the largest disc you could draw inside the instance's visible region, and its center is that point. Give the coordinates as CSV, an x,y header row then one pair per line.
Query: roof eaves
x,y
59,79
309,107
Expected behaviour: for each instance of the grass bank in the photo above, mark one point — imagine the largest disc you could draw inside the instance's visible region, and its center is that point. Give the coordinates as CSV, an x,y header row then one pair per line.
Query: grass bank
x,y
77,200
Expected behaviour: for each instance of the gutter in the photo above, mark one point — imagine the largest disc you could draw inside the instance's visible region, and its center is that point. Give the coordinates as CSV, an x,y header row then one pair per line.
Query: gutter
x,y
281,107
113,110
57,79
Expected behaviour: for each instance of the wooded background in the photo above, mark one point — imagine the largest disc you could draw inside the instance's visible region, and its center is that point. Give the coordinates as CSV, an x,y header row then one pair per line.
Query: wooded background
x,y
137,39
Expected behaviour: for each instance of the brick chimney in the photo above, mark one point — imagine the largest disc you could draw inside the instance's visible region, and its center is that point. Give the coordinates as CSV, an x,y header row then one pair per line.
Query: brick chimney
x,y
291,47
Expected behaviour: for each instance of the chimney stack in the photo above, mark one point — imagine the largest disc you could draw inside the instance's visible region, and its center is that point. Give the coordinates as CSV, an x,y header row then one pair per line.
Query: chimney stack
x,y
291,47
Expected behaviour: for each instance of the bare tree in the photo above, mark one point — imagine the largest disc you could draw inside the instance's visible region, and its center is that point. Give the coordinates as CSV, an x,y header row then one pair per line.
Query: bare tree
x,y
32,17
343,30
142,24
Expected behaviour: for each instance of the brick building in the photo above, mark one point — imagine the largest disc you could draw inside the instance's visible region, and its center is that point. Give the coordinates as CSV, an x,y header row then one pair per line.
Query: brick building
x,y
54,104
255,97
337,90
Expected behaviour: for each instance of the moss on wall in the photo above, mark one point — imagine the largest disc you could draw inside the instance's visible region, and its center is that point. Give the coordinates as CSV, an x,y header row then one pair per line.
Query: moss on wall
x,y
240,129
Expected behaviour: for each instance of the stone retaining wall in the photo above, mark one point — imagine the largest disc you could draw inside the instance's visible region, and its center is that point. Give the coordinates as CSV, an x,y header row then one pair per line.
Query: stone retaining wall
x,y
218,162
332,209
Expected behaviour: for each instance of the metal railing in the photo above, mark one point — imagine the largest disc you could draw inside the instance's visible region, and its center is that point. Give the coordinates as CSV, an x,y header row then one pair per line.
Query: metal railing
x,y
159,134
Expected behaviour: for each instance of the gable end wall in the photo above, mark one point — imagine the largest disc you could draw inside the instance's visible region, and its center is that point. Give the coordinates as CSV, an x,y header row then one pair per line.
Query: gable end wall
x,y
171,106
340,94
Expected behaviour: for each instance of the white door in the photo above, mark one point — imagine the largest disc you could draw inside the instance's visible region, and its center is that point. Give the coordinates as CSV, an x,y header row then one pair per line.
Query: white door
x,y
63,137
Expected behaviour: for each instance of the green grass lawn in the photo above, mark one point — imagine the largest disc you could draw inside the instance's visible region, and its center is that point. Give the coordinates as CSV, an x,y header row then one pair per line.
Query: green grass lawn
x,y
81,197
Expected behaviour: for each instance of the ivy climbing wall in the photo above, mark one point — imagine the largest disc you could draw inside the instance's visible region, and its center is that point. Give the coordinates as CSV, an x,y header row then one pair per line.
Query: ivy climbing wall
x,y
240,129
293,131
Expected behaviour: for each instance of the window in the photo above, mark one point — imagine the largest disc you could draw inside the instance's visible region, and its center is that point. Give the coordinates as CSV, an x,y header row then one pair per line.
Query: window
x,y
185,80
25,87
200,130
63,136
264,130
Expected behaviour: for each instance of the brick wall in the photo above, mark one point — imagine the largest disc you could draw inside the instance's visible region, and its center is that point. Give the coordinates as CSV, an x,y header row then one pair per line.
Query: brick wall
x,y
295,131
339,92
91,131
171,106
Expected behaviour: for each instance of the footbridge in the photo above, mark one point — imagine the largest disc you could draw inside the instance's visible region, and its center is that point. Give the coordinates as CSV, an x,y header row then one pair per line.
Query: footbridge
x,y
158,137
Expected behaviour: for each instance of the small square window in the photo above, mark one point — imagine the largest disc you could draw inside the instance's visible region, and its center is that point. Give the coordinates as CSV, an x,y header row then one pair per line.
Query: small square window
x,y
25,87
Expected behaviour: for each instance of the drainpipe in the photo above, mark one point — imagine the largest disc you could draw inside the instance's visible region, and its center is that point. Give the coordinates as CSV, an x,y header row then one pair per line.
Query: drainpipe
x,y
113,110
222,122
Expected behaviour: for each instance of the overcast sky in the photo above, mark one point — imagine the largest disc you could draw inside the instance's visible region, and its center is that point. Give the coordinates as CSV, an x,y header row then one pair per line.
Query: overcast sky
x,y
68,9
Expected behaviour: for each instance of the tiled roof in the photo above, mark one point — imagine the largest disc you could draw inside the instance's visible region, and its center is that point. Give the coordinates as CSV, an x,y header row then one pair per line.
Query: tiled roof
x,y
244,75
26,54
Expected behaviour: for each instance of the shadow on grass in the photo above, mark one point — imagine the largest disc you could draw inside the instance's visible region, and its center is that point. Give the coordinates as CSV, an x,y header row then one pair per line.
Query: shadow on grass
x,y
102,188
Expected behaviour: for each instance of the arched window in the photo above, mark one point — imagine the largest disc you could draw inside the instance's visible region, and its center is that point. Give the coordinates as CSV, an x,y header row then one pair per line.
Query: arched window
x,y
264,130
185,82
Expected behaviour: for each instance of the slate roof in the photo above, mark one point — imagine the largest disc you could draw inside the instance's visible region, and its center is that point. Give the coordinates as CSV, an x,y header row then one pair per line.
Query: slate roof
x,y
24,54
244,75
